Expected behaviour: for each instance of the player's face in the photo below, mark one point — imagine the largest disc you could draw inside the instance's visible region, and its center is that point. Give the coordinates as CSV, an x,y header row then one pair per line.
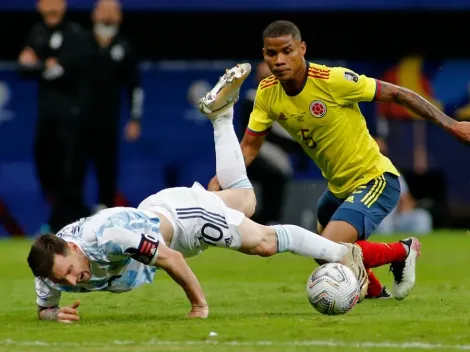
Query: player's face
x,y
52,11
284,56
72,268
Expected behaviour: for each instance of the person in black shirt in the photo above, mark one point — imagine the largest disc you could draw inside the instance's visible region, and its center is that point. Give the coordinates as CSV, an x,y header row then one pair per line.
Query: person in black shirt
x,y
54,55
114,67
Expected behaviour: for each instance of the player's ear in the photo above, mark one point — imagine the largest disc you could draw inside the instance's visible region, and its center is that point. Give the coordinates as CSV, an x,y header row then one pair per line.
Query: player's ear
x,y
72,246
303,48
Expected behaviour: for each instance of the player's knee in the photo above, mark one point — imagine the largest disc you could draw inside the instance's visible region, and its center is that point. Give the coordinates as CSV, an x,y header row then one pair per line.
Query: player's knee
x,y
249,205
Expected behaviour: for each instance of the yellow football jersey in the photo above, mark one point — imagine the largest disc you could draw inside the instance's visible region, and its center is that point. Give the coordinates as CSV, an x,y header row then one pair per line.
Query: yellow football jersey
x,y
326,120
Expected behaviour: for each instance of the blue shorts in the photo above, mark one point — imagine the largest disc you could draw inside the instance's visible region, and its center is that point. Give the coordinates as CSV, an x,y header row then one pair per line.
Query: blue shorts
x,y
364,208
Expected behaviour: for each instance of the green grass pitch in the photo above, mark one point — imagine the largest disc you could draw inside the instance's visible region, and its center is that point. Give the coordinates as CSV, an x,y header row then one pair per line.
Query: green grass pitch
x,y
256,304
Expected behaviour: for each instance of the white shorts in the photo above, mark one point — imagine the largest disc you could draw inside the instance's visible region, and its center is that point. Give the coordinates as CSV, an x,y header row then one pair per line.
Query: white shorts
x,y
200,219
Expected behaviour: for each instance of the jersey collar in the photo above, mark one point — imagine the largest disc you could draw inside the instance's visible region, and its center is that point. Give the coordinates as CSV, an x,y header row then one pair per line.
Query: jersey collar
x,y
307,65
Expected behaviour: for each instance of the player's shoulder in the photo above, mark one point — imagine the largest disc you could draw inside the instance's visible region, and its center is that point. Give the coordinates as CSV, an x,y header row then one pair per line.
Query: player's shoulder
x,y
268,84
319,72
266,88
327,73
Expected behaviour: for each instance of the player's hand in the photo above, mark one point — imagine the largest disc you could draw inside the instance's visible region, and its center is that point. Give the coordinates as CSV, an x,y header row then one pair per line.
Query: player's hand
x,y
69,314
214,185
461,130
199,312
132,131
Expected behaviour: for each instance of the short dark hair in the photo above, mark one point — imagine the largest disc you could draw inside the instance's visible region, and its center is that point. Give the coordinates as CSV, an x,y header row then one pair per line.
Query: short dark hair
x,y
42,253
280,29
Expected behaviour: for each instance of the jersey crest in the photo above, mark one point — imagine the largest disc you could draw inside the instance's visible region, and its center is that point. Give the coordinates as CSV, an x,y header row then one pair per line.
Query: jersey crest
x,y
318,108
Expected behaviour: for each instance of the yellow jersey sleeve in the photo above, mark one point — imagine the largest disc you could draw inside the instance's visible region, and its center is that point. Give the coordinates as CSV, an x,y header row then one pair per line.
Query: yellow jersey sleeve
x,y
260,123
347,87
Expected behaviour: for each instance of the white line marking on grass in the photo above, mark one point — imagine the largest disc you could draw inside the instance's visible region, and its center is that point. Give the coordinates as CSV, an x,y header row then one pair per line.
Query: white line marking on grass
x,y
365,344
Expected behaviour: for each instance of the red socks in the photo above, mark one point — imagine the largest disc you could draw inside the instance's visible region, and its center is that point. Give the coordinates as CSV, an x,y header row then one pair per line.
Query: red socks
x,y
378,254
375,287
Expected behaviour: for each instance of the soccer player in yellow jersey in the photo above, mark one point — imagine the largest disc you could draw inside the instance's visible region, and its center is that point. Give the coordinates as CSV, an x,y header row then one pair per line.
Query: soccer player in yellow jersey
x,y
318,106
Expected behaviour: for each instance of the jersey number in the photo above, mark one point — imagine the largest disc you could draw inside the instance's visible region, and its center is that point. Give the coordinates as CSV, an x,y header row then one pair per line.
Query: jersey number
x,y
308,140
211,234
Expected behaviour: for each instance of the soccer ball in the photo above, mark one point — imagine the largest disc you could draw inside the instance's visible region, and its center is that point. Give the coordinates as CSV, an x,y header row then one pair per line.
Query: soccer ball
x,y
332,289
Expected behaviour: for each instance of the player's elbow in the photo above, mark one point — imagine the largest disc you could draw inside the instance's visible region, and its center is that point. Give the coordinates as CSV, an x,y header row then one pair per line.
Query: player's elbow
x,y
169,260
177,257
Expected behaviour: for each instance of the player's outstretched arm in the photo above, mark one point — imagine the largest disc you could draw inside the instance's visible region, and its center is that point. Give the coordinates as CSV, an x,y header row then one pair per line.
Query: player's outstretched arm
x,y
67,314
416,103
250,146
174,264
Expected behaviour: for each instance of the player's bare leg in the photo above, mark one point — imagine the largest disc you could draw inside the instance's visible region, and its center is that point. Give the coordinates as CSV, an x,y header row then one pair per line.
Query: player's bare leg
x,y
266,241
217,105
340,231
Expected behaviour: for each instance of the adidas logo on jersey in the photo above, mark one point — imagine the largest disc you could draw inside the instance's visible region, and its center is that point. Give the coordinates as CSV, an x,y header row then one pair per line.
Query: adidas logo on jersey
x,y
282,117
228,241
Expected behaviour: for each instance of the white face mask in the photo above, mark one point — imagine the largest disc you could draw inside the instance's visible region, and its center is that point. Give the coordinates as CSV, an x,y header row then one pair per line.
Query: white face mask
x,y
106,31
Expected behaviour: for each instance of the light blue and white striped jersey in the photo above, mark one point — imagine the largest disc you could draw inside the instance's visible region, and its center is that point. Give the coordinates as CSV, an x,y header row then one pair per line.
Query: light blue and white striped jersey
x,y
120,243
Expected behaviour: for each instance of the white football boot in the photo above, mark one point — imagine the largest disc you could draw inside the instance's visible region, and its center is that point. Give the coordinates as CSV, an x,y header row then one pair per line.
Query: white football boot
x,y
354,261
405,272
225,93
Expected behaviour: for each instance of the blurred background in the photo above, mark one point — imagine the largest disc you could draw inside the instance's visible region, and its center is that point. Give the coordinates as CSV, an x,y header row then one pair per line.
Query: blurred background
x,y
97,101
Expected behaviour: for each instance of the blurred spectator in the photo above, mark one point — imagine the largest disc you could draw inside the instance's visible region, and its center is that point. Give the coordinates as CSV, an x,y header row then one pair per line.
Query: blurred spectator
x,y
406,217
425,177
54,55
272,168
114,66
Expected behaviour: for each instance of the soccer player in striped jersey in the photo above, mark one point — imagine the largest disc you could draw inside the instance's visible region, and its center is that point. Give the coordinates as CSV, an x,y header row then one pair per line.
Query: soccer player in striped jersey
x,y
318,106
119,249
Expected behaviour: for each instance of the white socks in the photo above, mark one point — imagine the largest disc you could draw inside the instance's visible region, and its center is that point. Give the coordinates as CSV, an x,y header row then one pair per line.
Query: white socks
x,y
230,166
294,239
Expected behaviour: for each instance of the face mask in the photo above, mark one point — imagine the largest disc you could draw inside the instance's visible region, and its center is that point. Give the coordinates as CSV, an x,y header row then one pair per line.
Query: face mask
x,y
105,31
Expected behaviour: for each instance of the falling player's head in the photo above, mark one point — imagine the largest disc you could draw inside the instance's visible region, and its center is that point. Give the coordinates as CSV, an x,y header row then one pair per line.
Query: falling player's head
x,y
59,261
52,11
283,49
